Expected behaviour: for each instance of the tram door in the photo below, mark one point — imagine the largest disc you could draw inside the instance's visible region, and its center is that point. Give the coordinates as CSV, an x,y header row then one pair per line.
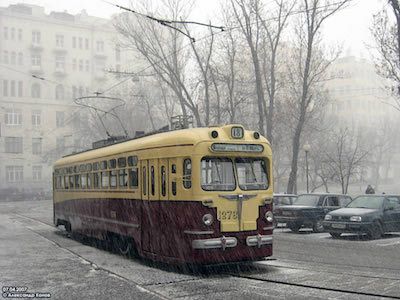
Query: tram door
x,y
166,247
151,225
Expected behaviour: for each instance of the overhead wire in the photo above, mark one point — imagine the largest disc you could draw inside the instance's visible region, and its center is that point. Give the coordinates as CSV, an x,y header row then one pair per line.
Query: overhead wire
x,y
226,29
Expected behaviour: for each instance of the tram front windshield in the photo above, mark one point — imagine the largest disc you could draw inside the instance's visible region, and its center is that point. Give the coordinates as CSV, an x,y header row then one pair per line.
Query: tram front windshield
x,y
218,174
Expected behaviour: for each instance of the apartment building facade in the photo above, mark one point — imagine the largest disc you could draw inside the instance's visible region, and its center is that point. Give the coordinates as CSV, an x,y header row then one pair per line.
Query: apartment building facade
x,y
46,61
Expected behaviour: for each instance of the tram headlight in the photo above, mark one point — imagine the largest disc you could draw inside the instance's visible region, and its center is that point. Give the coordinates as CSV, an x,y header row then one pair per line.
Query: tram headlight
x,y
269,216
328,217
208,219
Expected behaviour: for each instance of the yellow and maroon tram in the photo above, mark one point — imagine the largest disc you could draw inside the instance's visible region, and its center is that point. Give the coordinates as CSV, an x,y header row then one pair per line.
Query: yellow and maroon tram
x,y
200,195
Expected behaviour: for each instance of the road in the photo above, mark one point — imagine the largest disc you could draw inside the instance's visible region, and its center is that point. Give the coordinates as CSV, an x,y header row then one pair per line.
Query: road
x,y
42,258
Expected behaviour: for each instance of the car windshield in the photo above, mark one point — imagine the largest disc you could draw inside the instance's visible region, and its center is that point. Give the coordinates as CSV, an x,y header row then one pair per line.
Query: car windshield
x,y
252,173
367,202
217,174
284,200
307,200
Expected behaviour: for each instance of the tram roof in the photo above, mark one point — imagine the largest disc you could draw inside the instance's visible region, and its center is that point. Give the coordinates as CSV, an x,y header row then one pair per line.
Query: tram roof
x,y
182,137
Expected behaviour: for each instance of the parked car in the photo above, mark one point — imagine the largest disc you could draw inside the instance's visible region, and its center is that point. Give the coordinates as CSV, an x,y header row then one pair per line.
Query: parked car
x,y
370,214
280,200
309,210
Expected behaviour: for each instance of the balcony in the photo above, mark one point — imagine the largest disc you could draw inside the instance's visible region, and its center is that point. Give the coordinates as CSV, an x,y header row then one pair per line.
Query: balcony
x,y
100,55
36,46
59,49
60,72
36,69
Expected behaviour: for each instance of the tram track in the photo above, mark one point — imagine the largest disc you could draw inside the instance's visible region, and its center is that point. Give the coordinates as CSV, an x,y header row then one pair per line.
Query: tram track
x,y
292,284
141,287
147,287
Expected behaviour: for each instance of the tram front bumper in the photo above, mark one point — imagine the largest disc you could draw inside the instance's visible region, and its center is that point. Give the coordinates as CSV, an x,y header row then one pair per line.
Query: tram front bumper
x,y
231,242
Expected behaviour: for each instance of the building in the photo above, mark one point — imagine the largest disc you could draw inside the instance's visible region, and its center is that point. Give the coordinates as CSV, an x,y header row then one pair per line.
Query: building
x,y
46,61
360,101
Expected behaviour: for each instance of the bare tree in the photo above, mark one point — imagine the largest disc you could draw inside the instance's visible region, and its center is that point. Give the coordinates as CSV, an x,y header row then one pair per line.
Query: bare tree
x,y
308,70
247,16
345,157
273,29
163,49
387,38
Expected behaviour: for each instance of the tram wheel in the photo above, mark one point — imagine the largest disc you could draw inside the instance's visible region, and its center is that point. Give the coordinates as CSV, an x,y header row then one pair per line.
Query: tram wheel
x,y
123,245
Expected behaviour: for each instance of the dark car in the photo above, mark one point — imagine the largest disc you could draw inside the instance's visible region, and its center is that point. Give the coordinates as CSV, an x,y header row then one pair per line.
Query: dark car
x,y
282,199
309,210
370,214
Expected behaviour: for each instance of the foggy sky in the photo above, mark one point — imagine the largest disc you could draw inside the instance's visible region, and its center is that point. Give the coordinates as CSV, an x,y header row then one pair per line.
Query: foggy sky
x,y
349,28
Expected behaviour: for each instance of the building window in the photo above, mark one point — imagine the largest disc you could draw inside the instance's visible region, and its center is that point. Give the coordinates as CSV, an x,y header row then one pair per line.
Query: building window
x,y
81,91
19,34
13,117
74,64
100,46
13,59
36,60
59,41
12,33
5,57
12,88
36,146
36,173
73,42
59,92
59,119
81,65
14,173
20,59
5,88
74,92
117,53
36,117
87,66
13,144
20,89
80,43
60,63
5,33
35,91
36,37
86,44
60,144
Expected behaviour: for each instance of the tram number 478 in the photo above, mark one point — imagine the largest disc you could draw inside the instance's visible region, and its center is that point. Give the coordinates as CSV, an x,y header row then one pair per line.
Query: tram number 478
x,y
227,215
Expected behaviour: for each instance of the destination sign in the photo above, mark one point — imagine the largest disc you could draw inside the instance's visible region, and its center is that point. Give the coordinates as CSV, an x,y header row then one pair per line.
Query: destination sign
x,y
218,147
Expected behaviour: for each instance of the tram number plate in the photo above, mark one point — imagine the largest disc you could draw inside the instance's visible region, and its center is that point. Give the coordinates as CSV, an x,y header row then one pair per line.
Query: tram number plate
x,y
227,215
339,226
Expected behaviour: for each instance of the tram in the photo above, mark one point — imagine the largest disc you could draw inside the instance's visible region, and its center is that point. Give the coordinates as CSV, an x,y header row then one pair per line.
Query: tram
x,y
197,196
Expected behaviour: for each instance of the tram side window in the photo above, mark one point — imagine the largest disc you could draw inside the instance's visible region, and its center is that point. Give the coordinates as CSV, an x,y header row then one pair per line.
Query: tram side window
x,y
123,178
173,183
187,173
173,188
163,181
89,180
113,178
83,181
104,179
77,181
66,182
62,186
152,181
144,181
96,180
71,182
133,178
